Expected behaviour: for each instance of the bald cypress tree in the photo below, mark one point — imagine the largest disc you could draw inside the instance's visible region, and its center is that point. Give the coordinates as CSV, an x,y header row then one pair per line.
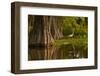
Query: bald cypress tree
x,y
44,29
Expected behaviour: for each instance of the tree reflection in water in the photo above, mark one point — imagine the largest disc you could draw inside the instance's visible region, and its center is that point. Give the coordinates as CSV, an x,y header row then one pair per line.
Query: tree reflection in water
x,y
68,51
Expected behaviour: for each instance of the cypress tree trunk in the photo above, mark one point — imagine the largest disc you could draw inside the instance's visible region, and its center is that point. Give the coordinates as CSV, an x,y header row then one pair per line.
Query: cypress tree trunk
x,y
56,28
45,29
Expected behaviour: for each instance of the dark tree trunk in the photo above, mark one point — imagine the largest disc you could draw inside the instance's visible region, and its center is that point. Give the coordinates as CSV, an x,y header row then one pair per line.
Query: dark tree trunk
x,y
56,28
45,29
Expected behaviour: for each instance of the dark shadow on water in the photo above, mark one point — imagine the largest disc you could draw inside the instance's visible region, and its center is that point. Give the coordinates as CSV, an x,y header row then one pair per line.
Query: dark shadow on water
x,y
68,51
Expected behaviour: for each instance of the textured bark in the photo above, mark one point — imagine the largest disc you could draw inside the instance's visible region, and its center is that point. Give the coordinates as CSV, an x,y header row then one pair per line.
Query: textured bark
x,y
45,29
56,28
35,35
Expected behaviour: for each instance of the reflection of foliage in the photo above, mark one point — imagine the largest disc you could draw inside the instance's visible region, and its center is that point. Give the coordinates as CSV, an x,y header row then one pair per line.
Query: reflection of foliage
x,y
78,26
67,33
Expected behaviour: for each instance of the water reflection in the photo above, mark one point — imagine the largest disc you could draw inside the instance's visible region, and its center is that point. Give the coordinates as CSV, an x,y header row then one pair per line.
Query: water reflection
x,y
62,52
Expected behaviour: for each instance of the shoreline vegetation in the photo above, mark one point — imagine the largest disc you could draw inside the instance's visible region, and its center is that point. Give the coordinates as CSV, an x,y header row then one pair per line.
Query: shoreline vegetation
x,y
57,37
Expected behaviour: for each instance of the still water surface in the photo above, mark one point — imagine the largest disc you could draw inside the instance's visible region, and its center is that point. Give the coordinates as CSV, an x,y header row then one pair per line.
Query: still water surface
x,y
62,52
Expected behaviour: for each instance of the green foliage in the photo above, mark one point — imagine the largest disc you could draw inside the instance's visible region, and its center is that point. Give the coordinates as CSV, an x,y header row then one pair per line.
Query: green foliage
x,y
74,41
78,25
67,30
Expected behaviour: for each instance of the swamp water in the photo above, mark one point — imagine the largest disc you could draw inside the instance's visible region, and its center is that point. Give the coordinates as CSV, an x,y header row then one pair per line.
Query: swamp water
x,y
68,51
